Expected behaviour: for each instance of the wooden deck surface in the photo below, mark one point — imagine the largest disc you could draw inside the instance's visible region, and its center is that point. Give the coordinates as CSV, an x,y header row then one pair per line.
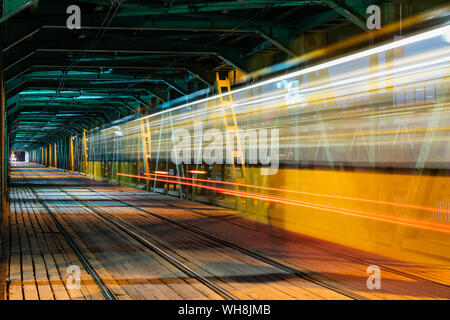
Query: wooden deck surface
x,y
36,256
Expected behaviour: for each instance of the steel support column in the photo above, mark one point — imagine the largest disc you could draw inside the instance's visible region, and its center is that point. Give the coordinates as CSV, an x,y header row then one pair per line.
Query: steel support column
x,y
3,169
3,160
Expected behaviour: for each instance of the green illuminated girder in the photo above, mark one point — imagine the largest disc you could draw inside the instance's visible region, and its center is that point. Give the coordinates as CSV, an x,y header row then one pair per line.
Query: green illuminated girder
x,y
349,13
134,9
137,63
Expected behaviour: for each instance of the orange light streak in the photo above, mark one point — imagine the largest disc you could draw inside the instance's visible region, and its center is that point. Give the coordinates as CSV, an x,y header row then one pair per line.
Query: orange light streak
x,y
197,172
160,172
427,225
396,204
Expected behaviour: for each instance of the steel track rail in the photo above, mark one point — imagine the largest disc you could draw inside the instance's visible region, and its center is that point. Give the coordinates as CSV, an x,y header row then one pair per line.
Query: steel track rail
x,y
361,261
175,262
347,257
105,290
253,254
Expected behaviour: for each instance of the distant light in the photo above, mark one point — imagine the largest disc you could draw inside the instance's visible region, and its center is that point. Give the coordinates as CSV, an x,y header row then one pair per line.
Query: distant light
x,y
198,171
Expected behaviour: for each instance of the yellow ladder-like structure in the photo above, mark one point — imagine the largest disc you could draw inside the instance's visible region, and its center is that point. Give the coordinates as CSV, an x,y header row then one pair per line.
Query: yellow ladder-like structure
x,y
146,143
56,157
231,128
85,151
71,154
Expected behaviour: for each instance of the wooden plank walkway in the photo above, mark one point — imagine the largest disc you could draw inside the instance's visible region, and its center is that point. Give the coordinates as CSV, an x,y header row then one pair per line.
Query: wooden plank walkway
x,y
38,254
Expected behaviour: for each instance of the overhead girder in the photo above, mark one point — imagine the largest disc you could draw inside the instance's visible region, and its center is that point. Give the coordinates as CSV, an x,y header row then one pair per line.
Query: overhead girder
x,y
51,85
349,13
94,77
158,93
276,34
188,48
234,59
85,83
94,74
48,121
56,137
38,127
125,45
24,84
80,125
68,96
178,82
138,65
131,9
51,101
60,108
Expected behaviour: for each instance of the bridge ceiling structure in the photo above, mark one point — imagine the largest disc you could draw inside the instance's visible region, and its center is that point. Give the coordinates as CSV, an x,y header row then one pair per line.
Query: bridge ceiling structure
x,y
129,53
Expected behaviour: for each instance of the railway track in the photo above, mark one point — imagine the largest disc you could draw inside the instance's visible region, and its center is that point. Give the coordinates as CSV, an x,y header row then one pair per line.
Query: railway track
x,y
143,237
197,231
362,261
106,291
277,264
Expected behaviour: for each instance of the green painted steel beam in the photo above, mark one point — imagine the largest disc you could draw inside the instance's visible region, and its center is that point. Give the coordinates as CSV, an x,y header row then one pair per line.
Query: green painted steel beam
x,y
132,9
349,13
17,86
11,8
275,32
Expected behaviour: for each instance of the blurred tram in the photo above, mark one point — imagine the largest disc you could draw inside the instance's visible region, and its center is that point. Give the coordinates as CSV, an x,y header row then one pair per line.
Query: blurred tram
x,y
354,150
374,108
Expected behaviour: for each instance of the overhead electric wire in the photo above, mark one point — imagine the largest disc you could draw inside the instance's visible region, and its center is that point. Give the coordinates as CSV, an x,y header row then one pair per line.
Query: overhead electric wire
x,y
220,37
97,38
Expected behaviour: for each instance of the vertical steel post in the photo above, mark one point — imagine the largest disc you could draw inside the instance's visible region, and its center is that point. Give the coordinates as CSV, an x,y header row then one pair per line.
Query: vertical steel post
x,y
49,154
56,155
85,151
3,164
159,148
3,158
146,138
71,154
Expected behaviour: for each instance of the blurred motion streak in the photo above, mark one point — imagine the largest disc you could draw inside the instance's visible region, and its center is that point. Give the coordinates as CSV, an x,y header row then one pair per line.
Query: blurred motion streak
x,y
367,133
298,192
369,215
